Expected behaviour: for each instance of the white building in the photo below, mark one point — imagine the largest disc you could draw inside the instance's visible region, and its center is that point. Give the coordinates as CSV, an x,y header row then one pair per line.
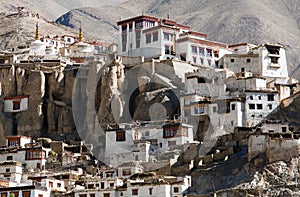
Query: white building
x,y
11,170
266,60
15,104
25,191
258,105
139,152
165,39
31,155
149,185
161,137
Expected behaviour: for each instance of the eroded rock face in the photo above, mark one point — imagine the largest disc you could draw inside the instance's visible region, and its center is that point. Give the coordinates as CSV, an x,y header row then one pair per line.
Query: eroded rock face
x,y
30,122
111,104
49,105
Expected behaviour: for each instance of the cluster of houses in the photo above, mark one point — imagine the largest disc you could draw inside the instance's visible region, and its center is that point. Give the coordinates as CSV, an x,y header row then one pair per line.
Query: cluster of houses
x,y
229,87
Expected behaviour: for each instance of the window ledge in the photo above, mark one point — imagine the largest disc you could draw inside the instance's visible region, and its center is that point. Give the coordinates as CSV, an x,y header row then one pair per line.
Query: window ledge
x,y
272,65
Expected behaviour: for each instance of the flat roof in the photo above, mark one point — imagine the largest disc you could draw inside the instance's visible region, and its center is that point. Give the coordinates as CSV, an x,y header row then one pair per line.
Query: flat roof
x,y
204,42
141,17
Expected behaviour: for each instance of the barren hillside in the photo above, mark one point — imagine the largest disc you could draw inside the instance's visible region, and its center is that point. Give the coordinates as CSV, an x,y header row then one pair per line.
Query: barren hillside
x,y
229,21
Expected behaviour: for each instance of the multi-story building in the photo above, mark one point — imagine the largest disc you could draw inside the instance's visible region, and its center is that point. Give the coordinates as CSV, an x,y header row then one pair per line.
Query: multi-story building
x,y
166,39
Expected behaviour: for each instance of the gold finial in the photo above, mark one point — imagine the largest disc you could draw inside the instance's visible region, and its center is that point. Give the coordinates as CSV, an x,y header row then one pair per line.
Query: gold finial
x,y
80,37
37,32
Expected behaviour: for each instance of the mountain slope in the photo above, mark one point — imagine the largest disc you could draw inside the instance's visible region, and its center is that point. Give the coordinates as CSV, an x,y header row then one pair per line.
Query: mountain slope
x,y
229,21
47,9
22,32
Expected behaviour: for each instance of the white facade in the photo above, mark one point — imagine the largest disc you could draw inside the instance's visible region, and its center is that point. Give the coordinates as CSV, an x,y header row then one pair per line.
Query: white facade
x,y
122,141
165,39
12,141
265,60
32,158
37,49
11,170
141,188
140,152
272,61
237,86
125,170
259,105
53,184
242,63
30,191
197,50
15,104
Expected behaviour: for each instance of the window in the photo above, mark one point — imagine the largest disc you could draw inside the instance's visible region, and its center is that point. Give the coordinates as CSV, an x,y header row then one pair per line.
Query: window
x,y
50,184
121,194
168,36
259,97
223,107
120,136
150,191
259,106
270,97
124,42
273,50
171,143
242,69
199,110
147,133
183,56
106,195
209,62
16,105
201,60
155,36
92,195
26,193
126,172
135,192
232,107
248,60
251,106
148,38
231,60
194,59
209,52
9,157
217,63
124,28
251,97
7,170
102,185
123,47
169,133
216,53
58,185
214,109
274,60
168,49
176,189
111,184
194,49
130,27
283,129
201,50
270,106
138,38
